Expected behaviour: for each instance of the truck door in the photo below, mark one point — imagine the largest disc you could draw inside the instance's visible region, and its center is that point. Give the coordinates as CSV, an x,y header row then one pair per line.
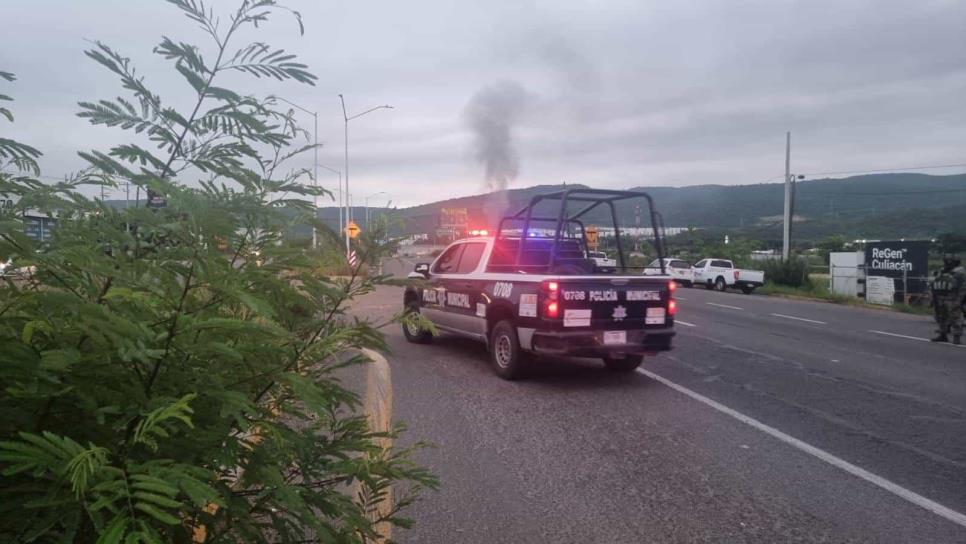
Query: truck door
x,y
699,272
464,291
434,296
457,289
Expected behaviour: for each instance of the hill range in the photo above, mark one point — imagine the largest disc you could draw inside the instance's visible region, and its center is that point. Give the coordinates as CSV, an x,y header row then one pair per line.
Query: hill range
x,y
867,206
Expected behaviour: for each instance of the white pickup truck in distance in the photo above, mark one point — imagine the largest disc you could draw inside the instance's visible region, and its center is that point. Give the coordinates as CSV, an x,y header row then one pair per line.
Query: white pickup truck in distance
x,y
679,270
721,274
603,262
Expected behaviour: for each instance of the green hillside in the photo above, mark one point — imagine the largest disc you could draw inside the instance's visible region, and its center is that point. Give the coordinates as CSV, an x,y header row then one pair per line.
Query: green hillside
x,y
871,206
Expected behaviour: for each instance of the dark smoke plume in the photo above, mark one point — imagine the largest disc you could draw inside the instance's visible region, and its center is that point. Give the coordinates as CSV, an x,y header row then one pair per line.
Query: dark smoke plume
x,y
492,114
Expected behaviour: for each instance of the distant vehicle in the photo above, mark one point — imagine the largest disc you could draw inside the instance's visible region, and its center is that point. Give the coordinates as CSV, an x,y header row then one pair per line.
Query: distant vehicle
x,y
603,262
679,270
8,270
543,294
721,274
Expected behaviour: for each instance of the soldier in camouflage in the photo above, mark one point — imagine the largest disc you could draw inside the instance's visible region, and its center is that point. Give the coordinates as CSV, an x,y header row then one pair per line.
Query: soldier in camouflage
x,y
948,291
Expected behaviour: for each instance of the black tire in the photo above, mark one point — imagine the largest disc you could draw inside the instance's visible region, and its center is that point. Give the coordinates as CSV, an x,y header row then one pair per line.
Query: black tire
x,y
412,331
747,289
720,285
628,363
688,284
509,361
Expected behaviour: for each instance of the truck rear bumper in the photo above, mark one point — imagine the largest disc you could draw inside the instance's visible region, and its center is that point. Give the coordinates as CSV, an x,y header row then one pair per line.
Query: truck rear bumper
x,y
591,344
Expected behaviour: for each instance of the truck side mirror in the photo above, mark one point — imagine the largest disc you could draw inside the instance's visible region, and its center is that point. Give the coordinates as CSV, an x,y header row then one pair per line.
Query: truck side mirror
x,y
421,270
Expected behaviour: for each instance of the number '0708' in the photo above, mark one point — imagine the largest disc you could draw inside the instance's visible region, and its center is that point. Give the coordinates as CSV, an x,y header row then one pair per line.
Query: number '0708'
x,y
502,289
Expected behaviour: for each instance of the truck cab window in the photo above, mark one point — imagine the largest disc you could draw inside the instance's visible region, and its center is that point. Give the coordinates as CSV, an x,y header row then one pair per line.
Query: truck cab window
x,y
700,264
721,264
470,258
448,261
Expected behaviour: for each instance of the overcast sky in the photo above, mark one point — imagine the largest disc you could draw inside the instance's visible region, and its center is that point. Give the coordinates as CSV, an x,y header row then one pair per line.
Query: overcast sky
x,y
614,94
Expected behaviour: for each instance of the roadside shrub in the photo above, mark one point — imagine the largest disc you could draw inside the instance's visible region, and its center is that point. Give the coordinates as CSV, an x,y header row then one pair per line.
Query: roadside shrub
x,y
792,272
169,373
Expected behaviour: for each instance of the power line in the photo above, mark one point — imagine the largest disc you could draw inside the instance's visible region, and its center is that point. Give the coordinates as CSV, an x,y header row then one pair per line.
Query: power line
x,y
885,170
877,193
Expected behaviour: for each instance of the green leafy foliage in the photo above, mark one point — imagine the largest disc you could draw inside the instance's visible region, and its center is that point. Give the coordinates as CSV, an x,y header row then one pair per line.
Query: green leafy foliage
x,y
791,273
172,374
13,153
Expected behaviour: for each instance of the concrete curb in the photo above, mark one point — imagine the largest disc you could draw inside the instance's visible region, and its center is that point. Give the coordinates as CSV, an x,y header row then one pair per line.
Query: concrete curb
x,y
377,403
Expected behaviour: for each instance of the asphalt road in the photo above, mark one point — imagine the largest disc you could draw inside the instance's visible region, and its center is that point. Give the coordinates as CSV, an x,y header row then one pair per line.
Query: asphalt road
x,y
577,454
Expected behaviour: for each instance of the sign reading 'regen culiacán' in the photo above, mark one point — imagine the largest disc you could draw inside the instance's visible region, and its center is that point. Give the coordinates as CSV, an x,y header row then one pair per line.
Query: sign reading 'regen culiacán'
x,y
909,260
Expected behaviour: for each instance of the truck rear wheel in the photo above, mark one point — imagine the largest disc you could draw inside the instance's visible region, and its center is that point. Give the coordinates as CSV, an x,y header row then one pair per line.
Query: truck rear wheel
x,y
720,284
628,363
411,329
509,361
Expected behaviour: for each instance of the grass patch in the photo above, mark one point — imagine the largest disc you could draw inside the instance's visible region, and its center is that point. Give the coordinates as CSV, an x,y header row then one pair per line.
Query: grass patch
x,y
811,290
820,292
913,309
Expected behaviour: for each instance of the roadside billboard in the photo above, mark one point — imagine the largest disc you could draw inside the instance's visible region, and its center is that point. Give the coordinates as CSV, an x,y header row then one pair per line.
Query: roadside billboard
x,y
905,261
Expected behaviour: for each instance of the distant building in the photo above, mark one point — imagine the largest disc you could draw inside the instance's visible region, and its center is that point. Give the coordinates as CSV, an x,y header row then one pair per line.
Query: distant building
x,y
36,225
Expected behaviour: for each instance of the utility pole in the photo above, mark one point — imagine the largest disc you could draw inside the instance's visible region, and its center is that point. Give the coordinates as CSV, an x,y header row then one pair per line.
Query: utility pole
x,y
787,225
347,118
315,166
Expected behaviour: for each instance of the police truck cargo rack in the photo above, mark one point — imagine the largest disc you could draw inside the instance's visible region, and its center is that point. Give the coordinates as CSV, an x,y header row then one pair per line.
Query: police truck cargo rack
x,y
533,287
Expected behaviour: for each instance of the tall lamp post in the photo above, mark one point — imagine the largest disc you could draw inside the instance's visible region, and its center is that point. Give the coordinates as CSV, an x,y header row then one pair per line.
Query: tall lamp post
x,y
315,166
334,171
348,118
367,205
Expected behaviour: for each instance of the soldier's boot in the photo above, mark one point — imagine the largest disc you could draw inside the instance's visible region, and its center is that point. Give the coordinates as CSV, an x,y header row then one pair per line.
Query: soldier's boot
x,y
957,340
941,338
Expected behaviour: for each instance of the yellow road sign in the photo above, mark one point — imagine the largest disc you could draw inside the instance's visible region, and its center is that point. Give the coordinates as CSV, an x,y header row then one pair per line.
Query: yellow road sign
x,y
591,234
353,229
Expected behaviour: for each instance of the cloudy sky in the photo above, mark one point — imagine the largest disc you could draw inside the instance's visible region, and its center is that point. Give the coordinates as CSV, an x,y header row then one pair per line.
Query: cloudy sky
x,y
612,93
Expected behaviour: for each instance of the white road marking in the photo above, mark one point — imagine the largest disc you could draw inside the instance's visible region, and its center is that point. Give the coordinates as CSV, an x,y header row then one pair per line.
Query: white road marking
x,y
895,489
901,336
679,298
916,338
685,323
724,306
800,319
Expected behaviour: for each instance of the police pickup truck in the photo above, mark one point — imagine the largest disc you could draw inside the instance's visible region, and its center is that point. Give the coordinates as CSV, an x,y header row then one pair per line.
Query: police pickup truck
x,y
524,294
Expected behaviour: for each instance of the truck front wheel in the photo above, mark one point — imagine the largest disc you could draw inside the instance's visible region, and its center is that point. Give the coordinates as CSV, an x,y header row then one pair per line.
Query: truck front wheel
x,y
628,363
411,328
509,361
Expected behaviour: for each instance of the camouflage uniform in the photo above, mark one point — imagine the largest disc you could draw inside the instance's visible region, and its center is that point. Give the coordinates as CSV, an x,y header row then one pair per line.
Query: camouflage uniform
x,y
948,290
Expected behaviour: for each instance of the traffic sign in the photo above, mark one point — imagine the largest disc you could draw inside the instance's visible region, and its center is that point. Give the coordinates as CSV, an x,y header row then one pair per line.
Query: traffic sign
x,y
353,229
591,234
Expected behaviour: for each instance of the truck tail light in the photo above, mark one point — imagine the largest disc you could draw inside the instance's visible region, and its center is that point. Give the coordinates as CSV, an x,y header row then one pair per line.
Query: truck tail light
x,y
672,307
553,310
552,288
736,274
672,286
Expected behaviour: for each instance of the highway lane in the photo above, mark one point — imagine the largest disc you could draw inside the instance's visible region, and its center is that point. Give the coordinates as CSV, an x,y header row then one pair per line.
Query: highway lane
x,y
890,404
579,455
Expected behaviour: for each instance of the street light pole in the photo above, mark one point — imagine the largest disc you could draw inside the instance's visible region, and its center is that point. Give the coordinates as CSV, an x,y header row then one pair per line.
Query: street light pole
x,y
367,205
334,171
315,167
346,117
